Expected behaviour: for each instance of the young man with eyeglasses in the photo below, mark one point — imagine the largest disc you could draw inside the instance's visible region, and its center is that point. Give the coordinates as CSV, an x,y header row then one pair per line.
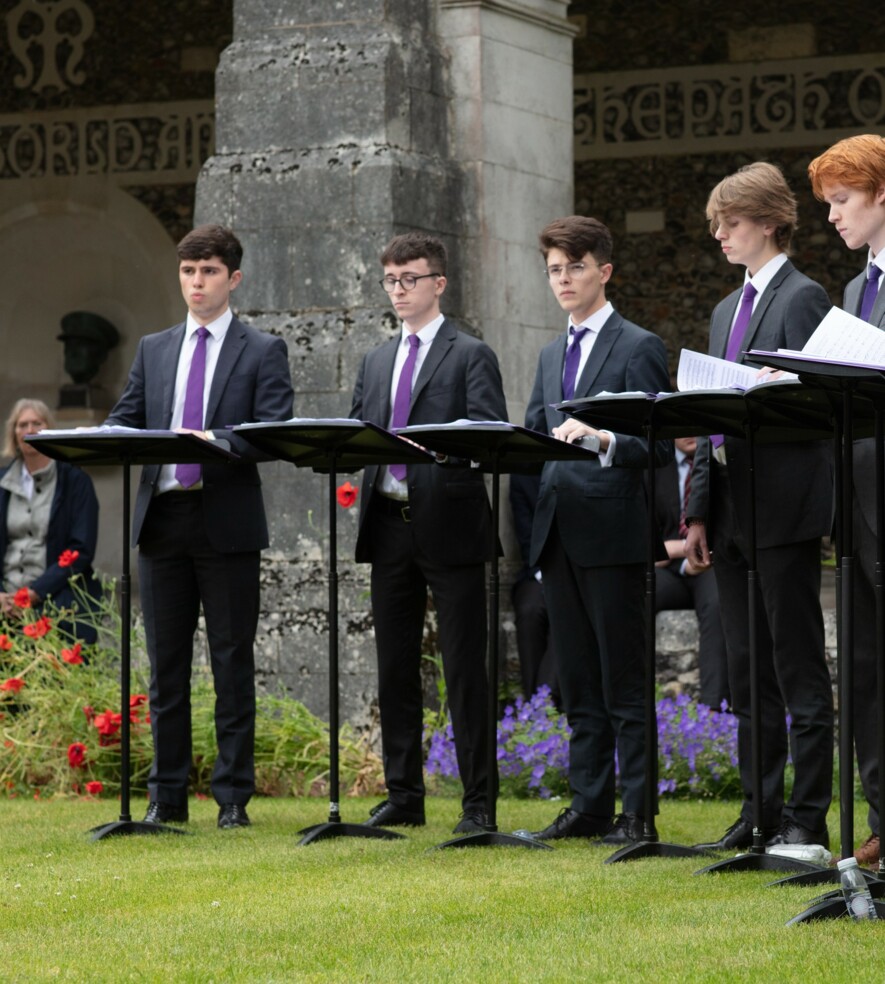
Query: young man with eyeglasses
x,y
850,179
427,527
590,536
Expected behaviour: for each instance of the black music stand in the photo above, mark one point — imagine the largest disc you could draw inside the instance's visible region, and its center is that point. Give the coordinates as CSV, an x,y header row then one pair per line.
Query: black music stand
x,y
499,447
327,445
636,413
783,410
125,446
857,395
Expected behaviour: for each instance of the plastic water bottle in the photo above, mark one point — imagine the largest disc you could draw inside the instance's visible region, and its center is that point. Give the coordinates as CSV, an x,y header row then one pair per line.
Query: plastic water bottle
x,y
856,891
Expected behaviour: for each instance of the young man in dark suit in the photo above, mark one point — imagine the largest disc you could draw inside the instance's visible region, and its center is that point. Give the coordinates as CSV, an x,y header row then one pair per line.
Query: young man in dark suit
x,y
590,536
200,530
752,216
678,587
850,178
427,526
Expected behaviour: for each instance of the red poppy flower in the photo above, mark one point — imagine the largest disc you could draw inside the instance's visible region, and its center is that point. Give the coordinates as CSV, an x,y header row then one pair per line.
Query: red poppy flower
x,y
94,787
22,598
72,656
136,700
346,495
38,629
107,723
89,712
13,685
5,642
67,557
76,754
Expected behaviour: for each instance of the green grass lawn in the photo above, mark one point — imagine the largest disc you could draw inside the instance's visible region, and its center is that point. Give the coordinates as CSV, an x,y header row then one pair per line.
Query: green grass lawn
x,y
248,905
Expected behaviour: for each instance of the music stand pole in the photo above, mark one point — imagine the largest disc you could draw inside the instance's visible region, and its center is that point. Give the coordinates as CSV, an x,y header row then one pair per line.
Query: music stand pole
x,y
651,845
335,826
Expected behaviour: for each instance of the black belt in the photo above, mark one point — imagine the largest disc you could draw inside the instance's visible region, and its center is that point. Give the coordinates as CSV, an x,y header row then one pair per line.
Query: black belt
x,y
392,507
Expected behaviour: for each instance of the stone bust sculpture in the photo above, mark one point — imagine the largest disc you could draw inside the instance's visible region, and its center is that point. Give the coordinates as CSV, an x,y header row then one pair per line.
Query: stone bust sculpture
x,y
87,340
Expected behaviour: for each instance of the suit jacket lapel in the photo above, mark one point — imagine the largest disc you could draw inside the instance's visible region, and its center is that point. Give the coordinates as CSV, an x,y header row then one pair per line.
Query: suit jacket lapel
x,y
443,341
233,344
763,302
606,338
854,293
720,328
169,371
386,361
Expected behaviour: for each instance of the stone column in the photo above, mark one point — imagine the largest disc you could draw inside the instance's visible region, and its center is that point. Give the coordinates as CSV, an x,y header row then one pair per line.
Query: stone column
x,y
339,124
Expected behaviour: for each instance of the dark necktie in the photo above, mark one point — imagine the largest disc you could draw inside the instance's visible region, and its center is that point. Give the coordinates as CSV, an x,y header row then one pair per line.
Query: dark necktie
x,y
871,292
736,338
742,322
403,398
683,529
192,415
572,361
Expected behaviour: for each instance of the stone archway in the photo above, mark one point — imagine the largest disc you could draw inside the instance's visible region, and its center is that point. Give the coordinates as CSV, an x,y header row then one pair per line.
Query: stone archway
x,y
79,246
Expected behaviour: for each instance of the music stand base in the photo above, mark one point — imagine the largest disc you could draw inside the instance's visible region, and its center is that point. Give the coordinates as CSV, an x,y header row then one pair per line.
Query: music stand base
x,y
128,828
759,862
825,876
330,830
830,909
653,849
493,838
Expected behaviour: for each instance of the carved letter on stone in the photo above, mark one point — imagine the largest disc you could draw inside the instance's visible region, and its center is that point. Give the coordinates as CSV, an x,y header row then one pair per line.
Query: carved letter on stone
x,y
57,28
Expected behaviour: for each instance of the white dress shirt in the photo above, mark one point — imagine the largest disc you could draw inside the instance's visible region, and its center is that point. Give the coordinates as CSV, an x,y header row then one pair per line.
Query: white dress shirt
x,y
217,330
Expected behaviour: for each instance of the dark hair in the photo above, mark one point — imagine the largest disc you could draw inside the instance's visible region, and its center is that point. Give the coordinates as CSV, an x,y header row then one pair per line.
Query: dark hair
x,y
207,241
577,235
416,246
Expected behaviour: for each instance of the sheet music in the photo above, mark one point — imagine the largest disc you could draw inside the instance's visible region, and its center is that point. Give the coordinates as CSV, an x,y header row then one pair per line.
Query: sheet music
x,y
841,337
102,430
698,371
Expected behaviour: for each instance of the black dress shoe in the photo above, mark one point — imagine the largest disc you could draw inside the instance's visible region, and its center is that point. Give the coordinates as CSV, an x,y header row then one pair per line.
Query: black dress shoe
x,y
791,832
232,815
570,823
628,828
738,837
472,822
387,814
165,813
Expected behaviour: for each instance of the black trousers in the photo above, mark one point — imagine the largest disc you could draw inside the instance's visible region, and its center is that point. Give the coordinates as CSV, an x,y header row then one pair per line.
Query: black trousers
x,y
793,675
537,664
179,571
597,616
401,575
866,709
674,591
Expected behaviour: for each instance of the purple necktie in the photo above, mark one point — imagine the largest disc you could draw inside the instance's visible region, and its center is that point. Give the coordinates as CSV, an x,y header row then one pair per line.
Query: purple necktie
x,y
572,361
871,292
736,339
403,398
192,415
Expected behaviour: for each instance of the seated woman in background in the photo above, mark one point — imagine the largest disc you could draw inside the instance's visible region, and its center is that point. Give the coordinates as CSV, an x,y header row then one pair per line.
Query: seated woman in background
x,y
46,508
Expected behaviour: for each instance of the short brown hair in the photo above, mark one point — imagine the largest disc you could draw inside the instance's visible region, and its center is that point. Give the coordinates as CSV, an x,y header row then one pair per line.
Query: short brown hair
x,y
858,162
10,448
416,246
577,235
760,192
207,241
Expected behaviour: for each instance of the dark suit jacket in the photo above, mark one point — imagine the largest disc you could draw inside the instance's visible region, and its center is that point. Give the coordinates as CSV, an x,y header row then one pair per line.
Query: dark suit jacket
x,y
794,482
251,383
73,525
602,512
459,379
864,451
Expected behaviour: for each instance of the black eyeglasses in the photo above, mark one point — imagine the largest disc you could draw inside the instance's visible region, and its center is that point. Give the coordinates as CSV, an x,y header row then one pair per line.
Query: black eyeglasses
x,y
407,281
